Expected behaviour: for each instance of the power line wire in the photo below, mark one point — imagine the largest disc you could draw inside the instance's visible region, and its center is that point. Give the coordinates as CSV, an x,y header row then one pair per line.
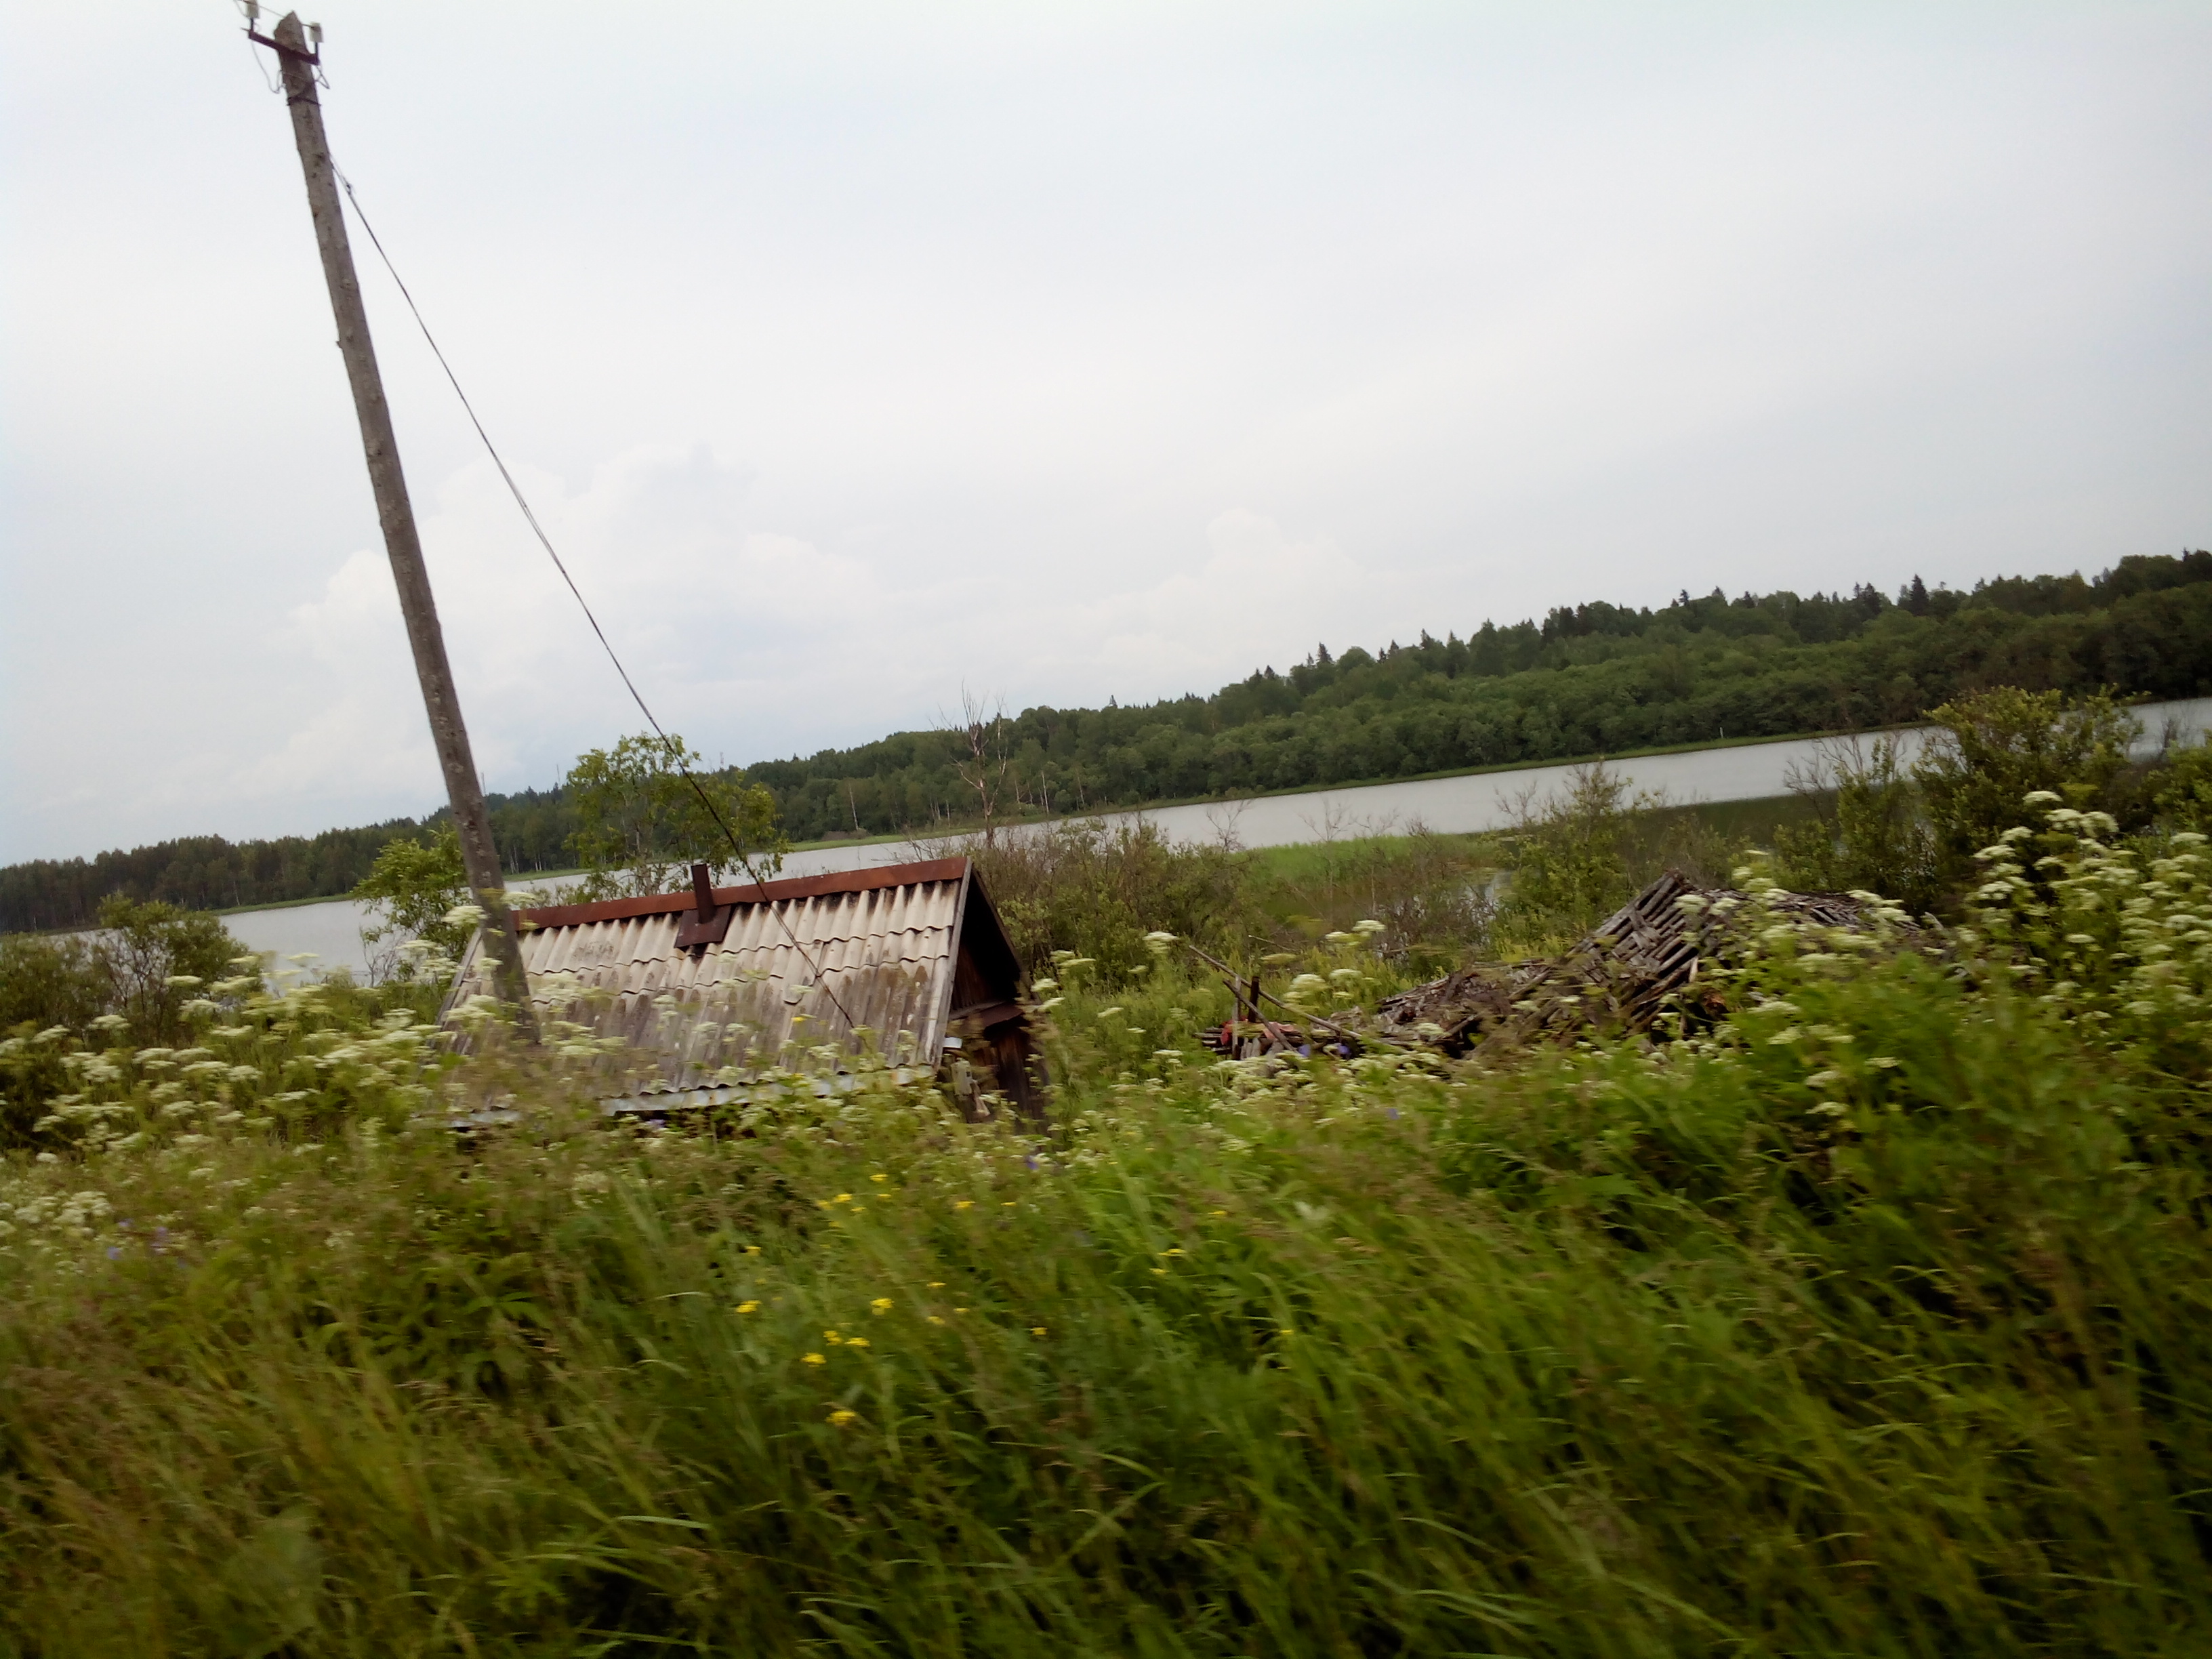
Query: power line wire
x,y
674,750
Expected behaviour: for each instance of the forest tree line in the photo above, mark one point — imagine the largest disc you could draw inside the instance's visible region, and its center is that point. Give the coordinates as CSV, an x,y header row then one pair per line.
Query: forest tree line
x,y
1589,679
210,872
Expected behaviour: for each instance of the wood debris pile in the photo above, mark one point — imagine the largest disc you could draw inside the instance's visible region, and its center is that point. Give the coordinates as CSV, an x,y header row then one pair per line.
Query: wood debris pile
x,y
1249,1039
1617,977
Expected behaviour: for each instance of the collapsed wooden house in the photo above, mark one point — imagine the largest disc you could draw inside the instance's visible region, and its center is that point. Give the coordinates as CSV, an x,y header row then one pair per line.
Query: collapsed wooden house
x,y
1655,953
708,988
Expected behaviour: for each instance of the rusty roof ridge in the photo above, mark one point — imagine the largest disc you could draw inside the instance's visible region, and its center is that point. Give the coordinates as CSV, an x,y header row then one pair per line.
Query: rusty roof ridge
x,y
770,894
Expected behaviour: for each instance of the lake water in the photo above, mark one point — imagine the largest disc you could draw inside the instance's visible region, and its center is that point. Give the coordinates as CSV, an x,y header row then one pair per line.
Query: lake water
x,y
330,932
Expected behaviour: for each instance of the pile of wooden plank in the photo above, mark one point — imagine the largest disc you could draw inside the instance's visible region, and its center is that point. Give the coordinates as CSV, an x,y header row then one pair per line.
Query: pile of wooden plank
x,y
1655,953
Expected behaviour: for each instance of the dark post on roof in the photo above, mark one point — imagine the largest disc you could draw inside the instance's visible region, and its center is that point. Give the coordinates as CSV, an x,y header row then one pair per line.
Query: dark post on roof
x,y
709,922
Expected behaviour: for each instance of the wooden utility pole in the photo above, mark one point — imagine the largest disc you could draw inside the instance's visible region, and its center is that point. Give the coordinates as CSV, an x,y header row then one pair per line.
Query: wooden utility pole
x,y
479,855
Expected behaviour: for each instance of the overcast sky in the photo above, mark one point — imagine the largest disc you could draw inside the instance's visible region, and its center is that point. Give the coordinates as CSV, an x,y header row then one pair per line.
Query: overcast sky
x,y
854,354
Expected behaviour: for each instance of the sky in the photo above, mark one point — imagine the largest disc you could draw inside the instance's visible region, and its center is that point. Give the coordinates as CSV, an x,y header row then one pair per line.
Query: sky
x,y
858,356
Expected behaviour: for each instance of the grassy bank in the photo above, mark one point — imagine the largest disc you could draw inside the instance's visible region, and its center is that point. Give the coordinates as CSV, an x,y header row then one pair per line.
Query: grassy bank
x,y
1871,1323
1317,886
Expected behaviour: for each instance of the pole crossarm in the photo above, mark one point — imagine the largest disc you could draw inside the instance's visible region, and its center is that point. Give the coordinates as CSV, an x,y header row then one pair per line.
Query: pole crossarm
x,y
311,56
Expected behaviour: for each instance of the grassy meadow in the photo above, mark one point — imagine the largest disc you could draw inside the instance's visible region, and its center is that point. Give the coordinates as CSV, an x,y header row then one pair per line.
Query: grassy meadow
x,y
1874,1320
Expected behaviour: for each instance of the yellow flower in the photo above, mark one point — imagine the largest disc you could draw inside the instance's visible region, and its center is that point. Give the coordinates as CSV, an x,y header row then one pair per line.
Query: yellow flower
x,y
879,1177
1285,1332
936,1284
840,1417
820,1203
1221,1213
960,1310
748,1307
882,1304
934,1320
1162,1272
843,1198
880,1197
965,1204
1176,1252
811,1359
1008,1205
831,1338
1036,1330
856,1341
752,1250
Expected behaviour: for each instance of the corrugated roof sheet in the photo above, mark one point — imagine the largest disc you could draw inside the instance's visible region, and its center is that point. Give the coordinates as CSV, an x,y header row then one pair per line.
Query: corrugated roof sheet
x,y
800,966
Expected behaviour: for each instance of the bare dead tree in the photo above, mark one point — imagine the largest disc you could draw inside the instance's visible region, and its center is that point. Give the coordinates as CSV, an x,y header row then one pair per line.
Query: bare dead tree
x,y
1224,816
985,758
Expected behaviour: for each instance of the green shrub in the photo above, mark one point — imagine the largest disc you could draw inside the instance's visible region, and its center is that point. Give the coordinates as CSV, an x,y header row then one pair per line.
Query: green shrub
x,y
50,979
2181,790
409,892
1582,851
158,958
1991,750
135,980
147,961
1568,864
1092,890
1914,833
1867,832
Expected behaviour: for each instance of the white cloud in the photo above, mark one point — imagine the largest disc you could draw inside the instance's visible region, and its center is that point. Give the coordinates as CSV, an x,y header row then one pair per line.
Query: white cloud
x,y
713,619
1246,604
853,354
733,634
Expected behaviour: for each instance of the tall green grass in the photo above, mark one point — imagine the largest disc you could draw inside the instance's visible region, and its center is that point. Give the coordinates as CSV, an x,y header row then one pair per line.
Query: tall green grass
x,y
1875,1322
